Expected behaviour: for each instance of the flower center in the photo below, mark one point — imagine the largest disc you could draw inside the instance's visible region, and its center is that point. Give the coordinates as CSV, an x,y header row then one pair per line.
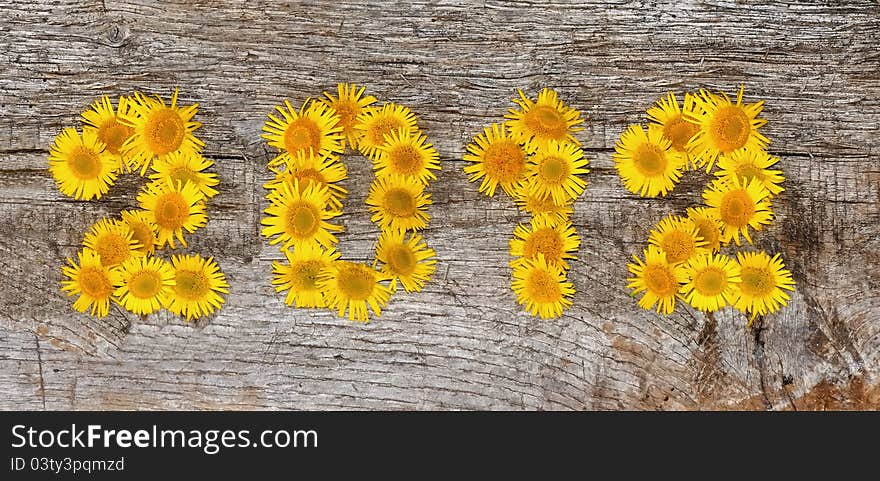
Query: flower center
x,y
708,231
382,127
542,287
112,248
171,210
164,131
304,275
405,160
679,131
113,134
356,282
678,245
749,171
660,281
400,203
183,174
347,111
710,281
730,128
402,260
84,163
94,283
301,135
737,208
303,219
545,241
546,121
756,282
554,169
504,160
191,285
650,160
145,284
307,177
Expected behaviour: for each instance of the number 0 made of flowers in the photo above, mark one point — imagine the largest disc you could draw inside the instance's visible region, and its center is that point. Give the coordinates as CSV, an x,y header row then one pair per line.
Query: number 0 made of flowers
x,y
536,160
306,195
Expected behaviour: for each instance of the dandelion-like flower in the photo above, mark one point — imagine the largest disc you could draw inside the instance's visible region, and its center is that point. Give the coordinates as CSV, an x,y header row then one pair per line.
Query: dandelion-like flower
x,y
408,260
91,281
710,281
348,104
407,154
555,170
536,123
708,226
144,285
541,287
159,129
309,169
102,119
313,129
725,127
764,282
374,123
739,206
537,205
678,238
143,229
556,241
181,168
351,287
174,208
81,166
657,278
299,276
675,120
298,216
747,164
497,158
399,203
198,283
113,241
646,163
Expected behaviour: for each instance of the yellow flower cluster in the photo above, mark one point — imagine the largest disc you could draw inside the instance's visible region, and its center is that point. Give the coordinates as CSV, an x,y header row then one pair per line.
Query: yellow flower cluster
x,y
537,161
683,259
305,197
118,261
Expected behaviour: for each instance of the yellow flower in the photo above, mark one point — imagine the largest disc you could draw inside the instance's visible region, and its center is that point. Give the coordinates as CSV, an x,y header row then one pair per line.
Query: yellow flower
x,y
708,226
352,287
348,104
82,167
738,207
540,205
313,129
554,170
113,241
182,168
645,162
677,128
198,284
159,129
747,164
556,241
173,208
101,118
144,284
374,123
310,169
535,124
406,154
657,278
763,280
300,275
678,238
298,216
497,158
399,203
541,287
724,127
91,280
710,281
409,261
143,229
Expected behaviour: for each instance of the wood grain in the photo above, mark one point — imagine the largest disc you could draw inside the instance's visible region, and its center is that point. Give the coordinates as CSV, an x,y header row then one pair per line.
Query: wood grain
x,y
463,343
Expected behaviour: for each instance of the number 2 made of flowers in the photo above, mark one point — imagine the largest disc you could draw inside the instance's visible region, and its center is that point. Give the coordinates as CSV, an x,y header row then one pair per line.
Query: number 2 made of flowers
x,y
306,195
535,159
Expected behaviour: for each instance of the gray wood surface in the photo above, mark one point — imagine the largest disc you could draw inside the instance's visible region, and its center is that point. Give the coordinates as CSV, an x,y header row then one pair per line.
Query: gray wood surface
x,y
463,343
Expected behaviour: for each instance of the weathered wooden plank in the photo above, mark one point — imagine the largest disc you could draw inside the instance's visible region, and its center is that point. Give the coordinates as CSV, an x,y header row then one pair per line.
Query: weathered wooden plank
x,y
463,343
